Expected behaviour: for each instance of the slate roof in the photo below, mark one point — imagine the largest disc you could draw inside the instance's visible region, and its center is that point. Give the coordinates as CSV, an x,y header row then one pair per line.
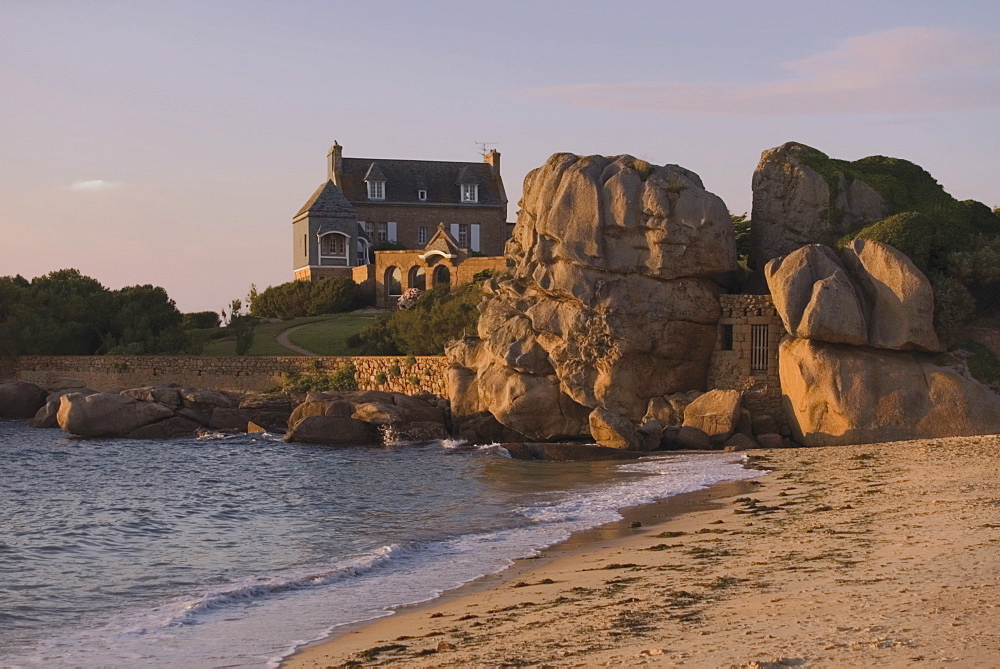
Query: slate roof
x,y
329,201
404,177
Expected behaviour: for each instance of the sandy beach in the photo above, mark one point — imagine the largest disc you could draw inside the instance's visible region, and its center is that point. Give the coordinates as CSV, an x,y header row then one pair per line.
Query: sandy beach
x,y
852,556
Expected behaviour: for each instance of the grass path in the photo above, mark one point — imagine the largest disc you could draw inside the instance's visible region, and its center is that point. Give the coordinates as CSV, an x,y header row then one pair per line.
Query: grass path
x,y
282,340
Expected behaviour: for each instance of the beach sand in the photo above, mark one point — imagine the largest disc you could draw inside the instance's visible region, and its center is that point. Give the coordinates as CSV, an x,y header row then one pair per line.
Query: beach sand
x,y
852,556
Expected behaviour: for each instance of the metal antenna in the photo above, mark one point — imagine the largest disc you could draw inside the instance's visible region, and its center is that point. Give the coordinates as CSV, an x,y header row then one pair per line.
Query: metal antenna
x,y
482,146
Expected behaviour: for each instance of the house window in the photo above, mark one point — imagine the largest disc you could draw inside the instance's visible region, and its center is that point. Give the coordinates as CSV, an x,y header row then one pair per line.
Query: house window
x,y
422,235
758,348
383,232
422,195
369,228
334,245
470,192
727,337
463,235
376,190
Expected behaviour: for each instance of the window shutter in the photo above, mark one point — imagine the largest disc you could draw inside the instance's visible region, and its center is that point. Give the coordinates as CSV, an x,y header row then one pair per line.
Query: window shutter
x,y
391,231
454,231
475,237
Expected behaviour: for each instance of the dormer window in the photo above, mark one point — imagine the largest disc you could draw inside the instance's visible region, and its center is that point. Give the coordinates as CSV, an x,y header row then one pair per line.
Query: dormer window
x,y
422,195
470,192
376,190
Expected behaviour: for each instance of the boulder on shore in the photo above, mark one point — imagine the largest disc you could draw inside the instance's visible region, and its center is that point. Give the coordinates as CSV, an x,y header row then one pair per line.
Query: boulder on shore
x,y
21,399
107,414
838,394
365,417
611,300
716,413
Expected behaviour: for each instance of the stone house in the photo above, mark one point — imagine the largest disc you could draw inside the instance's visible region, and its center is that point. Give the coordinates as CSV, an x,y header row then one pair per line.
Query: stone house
x,y
441,262
399,201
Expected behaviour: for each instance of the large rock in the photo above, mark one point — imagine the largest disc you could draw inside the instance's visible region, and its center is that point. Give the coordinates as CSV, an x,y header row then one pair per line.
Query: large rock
x,y
839,394
792,206
900,298
611,300
366,417
614,431
47,416
814,296
716,413
566,452
877,297
107,414
342,430
21,399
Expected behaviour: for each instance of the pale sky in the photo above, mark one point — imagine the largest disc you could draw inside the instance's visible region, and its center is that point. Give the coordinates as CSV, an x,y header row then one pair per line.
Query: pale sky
x,y
171,142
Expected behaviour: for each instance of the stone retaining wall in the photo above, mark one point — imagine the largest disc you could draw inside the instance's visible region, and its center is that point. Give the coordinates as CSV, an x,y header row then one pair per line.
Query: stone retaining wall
x,y
731,367
7,368
233,374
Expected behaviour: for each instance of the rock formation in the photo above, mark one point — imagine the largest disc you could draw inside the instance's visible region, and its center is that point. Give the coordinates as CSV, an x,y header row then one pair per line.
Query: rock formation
x,y
21,399
158,412
366,417
611,301
856,367
792,203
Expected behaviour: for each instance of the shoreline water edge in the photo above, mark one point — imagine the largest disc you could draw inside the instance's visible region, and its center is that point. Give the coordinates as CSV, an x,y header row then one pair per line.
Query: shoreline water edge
x,y
876,554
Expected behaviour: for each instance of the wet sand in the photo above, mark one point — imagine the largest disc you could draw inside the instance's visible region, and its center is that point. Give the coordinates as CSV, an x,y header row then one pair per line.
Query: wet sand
x,y
872,555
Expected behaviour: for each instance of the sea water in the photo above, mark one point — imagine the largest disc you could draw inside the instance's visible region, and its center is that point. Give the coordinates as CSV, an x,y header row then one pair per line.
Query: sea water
x,y
234,551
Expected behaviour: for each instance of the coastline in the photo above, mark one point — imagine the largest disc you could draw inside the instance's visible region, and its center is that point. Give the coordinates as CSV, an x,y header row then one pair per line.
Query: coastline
x,y
843,556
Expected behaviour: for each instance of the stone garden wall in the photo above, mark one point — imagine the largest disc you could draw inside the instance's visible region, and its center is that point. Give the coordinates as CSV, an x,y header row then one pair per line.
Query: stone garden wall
x,y
234,374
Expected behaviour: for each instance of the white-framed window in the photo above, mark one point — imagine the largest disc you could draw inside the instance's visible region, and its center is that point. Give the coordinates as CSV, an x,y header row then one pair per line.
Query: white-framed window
x,y
383,232
463,235
422,234
470,192
422,195
369,228
334,245
376,190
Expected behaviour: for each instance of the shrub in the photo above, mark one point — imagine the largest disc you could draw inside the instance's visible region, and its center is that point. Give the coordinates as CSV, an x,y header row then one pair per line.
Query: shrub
x,y
344,378
411,360
982,362
381,379
437,318
395,371
954,306
200,320
305,298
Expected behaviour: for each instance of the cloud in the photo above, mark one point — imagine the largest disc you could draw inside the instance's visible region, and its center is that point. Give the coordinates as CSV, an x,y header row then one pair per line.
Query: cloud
x,y
914,69
94,185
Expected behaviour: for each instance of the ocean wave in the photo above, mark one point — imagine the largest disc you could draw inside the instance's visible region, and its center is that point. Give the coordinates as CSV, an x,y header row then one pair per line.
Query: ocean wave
x,y
241,593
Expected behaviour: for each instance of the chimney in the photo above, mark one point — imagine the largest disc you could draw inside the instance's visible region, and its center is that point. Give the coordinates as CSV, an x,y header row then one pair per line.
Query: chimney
x,y
493,160
335,164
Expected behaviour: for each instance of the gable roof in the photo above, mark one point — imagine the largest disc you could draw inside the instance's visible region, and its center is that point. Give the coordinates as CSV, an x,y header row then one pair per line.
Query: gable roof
x,y
403,178
328,200
442,243
374,173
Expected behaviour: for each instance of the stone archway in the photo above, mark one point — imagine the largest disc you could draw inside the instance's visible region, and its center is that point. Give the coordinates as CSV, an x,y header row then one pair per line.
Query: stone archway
x,y
417,278
393,283
442,276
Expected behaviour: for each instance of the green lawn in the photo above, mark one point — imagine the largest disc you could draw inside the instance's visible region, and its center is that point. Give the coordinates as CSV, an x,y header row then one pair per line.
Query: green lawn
x,y
327,335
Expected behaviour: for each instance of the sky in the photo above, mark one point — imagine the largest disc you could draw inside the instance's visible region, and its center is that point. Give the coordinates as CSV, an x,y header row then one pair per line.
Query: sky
x,y
171,142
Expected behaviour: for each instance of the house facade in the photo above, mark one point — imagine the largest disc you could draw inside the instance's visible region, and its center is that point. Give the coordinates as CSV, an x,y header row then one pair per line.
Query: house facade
x,y
397,201
441,262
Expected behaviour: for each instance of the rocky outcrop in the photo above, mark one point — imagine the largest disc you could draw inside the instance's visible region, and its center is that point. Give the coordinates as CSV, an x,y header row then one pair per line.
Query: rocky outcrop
x,y
856,367
108,414
852,395
47,416
21,399
611,300
793,207
875,297
366,417
566,452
